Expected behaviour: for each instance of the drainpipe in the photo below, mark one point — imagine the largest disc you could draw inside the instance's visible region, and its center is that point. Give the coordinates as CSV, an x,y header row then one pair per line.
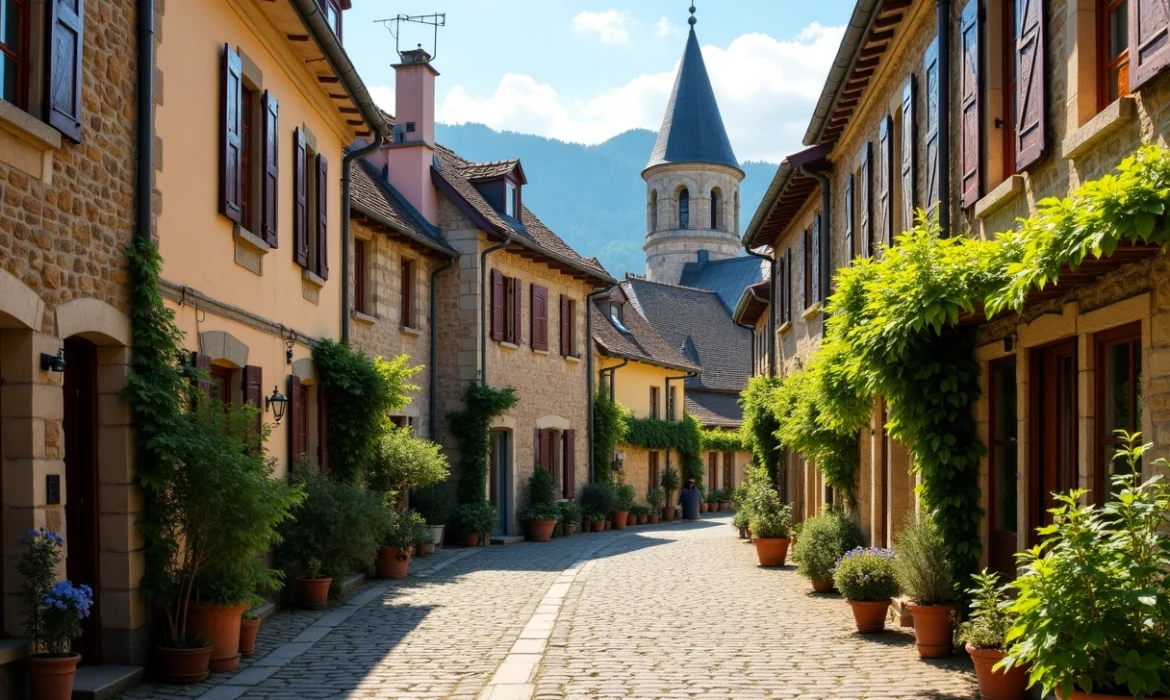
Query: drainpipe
x,y
826,209
613,374
771,309
944,116
483,301
589,368
688,375
433,411
144,106
346,165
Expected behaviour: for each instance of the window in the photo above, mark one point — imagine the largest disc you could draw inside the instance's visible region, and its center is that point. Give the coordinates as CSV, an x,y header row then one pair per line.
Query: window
x,y
407,294
653,469
653,215
538,315
301,428
511,310
808,268
672,404
221,381
247,138
712,470
359,276
1113,51
715,208
653,402
615,315
14,58
728,471
568,327
332,15
684,208
1119,398
1010,26
506,305
510,200
311,206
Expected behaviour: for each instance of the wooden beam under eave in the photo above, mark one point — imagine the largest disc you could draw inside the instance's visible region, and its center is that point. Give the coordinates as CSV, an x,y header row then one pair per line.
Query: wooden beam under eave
x,y
330,79
298,37
349,110
868,63
889,20
874,50
882,35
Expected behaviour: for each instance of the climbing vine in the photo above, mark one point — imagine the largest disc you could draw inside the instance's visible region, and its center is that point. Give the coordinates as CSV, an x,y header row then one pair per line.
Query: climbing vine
x,y
722,441
683,435
472,428
760,425
609,425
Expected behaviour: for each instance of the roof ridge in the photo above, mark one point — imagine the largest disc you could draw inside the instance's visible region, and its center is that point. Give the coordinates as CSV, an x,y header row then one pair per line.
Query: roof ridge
x,y
493,162
643,278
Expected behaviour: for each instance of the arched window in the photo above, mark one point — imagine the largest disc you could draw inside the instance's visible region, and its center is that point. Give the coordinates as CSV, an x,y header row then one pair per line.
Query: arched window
x,y
653,211
735,213
684,208
715,208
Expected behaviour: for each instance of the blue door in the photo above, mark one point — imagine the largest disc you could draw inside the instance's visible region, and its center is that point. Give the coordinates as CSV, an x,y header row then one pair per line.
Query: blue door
x,y
498,479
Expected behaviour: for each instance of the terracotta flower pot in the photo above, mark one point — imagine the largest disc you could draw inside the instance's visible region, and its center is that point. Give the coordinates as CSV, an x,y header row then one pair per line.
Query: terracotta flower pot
x,y
570,529
653,518
934,629
643,519
470,539
822,586
870,615
541,530
586,525
725,506
51,676
249,628
702,507
998,685
183,666
772,551
713,507
598,525
393,562
749,533
619,519
220,625
313,593
668,514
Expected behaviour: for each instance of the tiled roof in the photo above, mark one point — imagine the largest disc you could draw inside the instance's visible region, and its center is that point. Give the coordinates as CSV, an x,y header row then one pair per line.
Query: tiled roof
x,y
712,408
683,315
727,278
369,191
753,303
639,342
487,171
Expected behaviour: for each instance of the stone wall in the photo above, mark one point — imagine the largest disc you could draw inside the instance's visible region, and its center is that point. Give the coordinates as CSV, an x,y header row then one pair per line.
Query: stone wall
x,y
669,247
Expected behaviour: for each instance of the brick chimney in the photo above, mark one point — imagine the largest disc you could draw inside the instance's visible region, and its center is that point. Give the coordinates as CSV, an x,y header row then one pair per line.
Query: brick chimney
x,y
410,155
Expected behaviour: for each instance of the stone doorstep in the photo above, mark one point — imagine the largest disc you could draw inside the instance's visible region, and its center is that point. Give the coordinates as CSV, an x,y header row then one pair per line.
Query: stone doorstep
x,y
101,682
901,613
351,582
506,539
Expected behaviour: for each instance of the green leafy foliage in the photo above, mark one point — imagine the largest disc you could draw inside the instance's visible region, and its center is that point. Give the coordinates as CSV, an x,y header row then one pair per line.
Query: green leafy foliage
x,y
760,426
922,568
655,497
478,517
432,502
404,530
990,619
669,481
722,441
682,435
770,517
472,426
627,497
403,462
609,427
823,540
541,498
866,574
598,500
361,392
570,513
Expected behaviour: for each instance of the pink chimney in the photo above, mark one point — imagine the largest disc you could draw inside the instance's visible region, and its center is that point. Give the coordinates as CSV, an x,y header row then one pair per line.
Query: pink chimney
x,y
412,152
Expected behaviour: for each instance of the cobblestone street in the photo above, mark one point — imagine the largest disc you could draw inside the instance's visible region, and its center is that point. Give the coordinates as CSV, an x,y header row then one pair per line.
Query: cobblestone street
x,y
655,611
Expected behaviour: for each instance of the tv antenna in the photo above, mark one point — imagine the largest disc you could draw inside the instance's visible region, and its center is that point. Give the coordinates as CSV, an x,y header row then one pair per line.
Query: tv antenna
x,y
394,26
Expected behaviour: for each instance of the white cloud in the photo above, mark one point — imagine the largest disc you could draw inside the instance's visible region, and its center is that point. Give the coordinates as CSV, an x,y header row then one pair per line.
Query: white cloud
x,y
610,26
766,89
383,97
665,28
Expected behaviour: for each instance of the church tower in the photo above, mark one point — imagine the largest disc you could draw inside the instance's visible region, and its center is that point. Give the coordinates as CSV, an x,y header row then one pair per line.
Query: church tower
x,y
692,179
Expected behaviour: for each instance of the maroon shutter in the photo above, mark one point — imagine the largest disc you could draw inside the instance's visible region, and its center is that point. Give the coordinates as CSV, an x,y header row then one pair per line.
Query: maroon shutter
x,y
293,420
65,46
566,327
204,383
818,263
539,319
930,185
969,101
806,268
517,310
497,305
865,200
322,217
909,154
254,390
570,482
885,178
271,184
788,287
850,212
322,430
1149,40
300,200
230,135
1031,95
544,447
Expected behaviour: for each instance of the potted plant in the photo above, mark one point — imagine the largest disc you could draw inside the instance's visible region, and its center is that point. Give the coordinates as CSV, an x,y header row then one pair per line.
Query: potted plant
x,y
823,540
712,502
476,521
398,544
771,523
669,481
597,519
624,502
586,521
249,630
985,636
1093,598
598,499
924,575
741,522
866,578
403,462
570,515
542,513
643,514
54,611
655,498
725,500
433,503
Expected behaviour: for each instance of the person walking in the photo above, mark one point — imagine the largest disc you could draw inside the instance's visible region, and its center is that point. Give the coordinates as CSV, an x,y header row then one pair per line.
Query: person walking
x,y
689,498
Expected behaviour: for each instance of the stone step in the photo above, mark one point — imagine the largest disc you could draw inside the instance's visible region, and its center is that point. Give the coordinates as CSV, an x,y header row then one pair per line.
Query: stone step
x,y
351,583
506,539
102,682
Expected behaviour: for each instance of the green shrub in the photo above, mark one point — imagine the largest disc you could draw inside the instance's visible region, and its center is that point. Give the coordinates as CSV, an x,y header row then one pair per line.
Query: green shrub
x,y
472,428
770,518
741,521
541,500
432,502
669,481
627,497
609,427
823,540
655,497
403,462
866,574
598,499
570,513
405,530
990,620
480,517
924,573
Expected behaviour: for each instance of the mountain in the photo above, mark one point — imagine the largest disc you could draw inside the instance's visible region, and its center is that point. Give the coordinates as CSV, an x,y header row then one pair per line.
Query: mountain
x,y
591,196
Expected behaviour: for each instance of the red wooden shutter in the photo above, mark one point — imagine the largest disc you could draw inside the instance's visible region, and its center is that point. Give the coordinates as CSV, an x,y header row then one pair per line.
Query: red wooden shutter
x,y
204,383
788,287
909,153
1031,94
271,185
543,450
497,305
230,135
865,200
254,390
300,200
570,481
293,420
969,100
566,327
815,262
1149,40
539,318
850,212
885,179
517,309
322,217
322,430
930,186
65,46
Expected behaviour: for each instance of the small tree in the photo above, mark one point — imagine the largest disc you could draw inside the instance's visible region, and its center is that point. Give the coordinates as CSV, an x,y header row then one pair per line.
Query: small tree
x,y
403,462
669,482
542,502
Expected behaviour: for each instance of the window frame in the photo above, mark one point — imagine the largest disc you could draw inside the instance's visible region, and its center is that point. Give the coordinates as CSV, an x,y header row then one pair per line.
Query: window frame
x,y
807,289
20,55
511,334
1105,64
571,341
654,402
1127,334
406,292
511,199
249,99
715,208
360,282
684,209
672,404
1010,29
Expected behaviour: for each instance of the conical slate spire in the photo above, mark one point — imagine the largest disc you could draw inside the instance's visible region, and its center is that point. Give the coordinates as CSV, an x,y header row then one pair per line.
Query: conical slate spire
x,y
692,130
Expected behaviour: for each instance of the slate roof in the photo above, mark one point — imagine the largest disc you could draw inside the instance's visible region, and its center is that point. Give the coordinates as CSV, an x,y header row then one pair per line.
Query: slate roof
x,y
713,408
477,172
638,342
692,130
727,278
696,321
370,194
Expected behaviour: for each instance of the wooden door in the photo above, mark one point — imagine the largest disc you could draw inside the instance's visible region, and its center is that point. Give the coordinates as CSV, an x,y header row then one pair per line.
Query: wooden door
x,y
1003,462
498,478
712,470
1052,460
81,485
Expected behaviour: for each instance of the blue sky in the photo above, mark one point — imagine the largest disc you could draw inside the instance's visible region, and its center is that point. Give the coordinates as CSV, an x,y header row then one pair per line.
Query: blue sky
x,y
586,71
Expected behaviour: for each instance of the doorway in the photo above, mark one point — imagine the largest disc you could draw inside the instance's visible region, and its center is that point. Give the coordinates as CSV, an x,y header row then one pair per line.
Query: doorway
x,y
498,478
1052,460
81,485
1003,467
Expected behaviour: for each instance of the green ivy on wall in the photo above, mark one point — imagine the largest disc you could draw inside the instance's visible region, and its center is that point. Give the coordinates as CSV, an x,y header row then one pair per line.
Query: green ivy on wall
x,y
472,428
722,441
760,425
609,426
683,436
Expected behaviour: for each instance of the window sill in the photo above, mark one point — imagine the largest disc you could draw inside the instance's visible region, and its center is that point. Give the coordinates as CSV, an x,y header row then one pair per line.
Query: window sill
x,y
539,352
312,278
1000,197
572,358
510,346
812,311
246,237
1083,140
784,327
28,143
407,330
363,318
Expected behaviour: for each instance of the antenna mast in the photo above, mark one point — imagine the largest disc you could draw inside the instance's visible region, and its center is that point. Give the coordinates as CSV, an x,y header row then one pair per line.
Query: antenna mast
x,y
394,26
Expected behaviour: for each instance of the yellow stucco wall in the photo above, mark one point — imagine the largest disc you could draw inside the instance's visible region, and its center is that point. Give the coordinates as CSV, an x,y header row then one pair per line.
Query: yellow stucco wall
x,y
633,381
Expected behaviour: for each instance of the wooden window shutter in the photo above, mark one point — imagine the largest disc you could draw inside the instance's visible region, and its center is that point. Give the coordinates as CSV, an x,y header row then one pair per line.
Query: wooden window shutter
x,y
203,383
865,200
517,309
1149,40
322,430
230,135
293,420
66,43
788,286
539,319
300,200
816,263
270,192
497,305
566,327
850,212
254,390
931,185
322,217
969,103
570,483
909,154
885,178
1031,94
544,449
778,281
